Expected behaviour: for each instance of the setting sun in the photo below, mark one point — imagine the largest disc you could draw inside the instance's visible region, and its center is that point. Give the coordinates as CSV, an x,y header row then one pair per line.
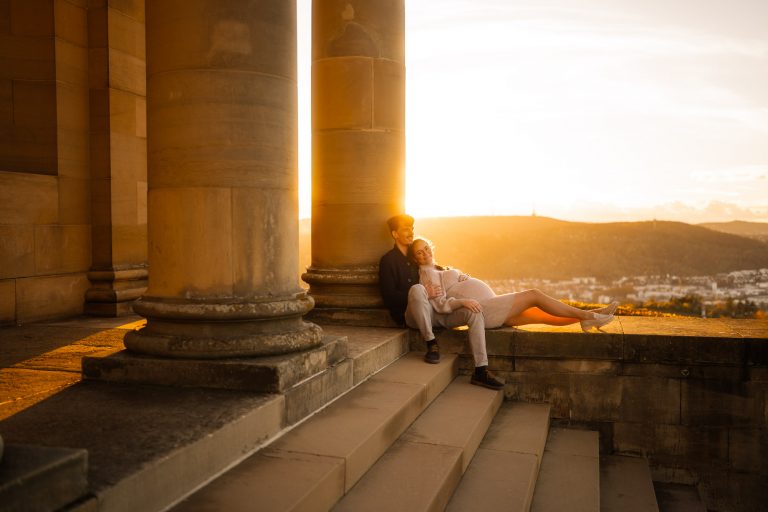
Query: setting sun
x,y
621,111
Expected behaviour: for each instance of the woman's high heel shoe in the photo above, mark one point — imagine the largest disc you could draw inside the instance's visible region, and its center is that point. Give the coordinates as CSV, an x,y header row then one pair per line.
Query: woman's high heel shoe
x,y
607,310
598,321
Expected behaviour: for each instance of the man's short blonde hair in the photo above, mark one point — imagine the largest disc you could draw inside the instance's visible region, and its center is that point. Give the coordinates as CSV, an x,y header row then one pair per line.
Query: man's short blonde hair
x,y
395,222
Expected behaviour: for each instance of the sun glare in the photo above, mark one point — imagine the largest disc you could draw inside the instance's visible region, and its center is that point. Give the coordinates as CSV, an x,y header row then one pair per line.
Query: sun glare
x,y
614,112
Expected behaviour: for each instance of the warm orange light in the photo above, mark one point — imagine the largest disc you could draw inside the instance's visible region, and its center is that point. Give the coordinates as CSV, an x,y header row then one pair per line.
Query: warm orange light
x,y
32,380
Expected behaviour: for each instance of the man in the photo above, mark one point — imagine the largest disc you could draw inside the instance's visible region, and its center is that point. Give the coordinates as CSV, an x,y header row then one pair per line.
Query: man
x,y
408,303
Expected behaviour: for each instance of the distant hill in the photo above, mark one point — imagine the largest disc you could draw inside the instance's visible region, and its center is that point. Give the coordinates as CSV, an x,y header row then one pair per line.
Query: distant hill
x,y
517,247
756,230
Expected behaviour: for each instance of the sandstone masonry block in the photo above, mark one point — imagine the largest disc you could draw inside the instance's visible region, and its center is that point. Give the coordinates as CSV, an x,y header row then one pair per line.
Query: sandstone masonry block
x,y
712,402
40,298
7,302
17,251
650,400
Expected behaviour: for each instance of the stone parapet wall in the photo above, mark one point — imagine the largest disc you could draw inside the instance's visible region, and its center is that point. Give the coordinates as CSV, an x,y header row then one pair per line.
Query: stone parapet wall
x,y
688,394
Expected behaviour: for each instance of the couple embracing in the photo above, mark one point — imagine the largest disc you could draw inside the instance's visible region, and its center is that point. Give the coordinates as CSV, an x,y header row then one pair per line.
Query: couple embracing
x,y
421,294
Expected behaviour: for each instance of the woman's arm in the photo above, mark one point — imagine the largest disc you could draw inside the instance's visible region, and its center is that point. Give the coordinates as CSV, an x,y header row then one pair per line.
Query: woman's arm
x,y
431,279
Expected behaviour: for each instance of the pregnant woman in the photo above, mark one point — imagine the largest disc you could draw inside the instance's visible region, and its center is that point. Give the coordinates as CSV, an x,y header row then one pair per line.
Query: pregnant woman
x,y
526,307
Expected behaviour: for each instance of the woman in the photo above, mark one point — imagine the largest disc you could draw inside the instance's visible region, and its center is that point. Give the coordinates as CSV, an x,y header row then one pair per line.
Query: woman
x,y
527,307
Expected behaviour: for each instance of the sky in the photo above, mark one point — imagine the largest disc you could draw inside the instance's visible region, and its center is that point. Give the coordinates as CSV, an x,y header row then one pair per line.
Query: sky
x,y
589,110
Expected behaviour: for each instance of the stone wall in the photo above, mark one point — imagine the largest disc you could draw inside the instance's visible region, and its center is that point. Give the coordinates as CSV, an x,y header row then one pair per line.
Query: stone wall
x,y
46,201
687,394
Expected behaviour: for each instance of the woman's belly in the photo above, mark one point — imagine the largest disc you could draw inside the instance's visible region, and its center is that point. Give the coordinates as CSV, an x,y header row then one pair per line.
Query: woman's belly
x,y
471,289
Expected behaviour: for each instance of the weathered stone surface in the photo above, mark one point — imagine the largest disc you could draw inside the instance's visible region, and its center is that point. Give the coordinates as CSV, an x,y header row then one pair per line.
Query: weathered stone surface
x,y
553,389
626,485
276,481
576,396
697,446
730,490
748,449
519,427
265,374
348,316
459,417
371,349
571,461
683,371
20,388
678,497
571,345
358,428
411,369
27,199
310,395
496,480
635,439
62,249
425,476
369,29
172,439
41,478
40,298
715,403
17,252
650,400
75,202
567,366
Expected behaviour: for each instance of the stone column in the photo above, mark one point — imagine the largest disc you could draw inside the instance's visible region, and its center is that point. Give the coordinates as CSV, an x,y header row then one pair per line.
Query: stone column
x,y
118,157
358,145
222,169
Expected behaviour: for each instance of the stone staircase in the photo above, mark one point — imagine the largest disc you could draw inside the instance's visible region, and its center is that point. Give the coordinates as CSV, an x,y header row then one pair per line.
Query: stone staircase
x,y
408,437
417,437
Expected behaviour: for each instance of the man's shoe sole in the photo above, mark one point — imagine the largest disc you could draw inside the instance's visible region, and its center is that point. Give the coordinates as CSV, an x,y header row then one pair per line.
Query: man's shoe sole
x,y
486,385
430,361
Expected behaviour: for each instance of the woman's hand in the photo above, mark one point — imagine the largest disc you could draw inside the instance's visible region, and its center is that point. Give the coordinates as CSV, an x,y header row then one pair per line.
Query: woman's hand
x,y
463,277
433,290
472,305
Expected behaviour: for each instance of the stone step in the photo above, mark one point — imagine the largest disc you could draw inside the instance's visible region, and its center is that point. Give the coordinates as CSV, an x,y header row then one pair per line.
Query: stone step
x,y
41,478
502,475
426,463
150,446
569,477
312,466
678,498
626,485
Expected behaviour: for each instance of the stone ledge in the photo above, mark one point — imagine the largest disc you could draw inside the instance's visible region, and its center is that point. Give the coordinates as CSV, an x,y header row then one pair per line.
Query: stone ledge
x,y
41,477
274,374
637,340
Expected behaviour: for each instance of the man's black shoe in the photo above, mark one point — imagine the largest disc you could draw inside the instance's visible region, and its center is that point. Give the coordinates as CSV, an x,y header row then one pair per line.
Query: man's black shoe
x,y
482,377
433,352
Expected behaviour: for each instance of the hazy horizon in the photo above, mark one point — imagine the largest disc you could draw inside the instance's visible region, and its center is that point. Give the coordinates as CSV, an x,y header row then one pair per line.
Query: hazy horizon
x,y
605,112
423,217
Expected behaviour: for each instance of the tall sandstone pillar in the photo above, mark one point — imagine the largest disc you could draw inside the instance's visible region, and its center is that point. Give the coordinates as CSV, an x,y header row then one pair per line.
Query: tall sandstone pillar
x,y
358,145
222,173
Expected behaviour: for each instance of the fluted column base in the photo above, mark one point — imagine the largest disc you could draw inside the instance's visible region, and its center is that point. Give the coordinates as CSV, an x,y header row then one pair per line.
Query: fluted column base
x,y
223,329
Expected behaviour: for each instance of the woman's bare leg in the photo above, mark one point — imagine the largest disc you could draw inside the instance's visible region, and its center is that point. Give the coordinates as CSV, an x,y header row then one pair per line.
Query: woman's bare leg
x,y
537,316
537,299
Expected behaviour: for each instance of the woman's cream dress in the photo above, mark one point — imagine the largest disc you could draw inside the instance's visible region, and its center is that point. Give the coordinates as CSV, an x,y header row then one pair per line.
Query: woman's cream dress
x,y
496,308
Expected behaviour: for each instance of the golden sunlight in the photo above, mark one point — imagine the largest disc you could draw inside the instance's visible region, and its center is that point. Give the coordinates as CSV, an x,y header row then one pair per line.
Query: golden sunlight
x,y
621,111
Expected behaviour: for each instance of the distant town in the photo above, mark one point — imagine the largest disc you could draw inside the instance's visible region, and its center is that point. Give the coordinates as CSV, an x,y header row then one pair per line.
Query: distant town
x,y
703,295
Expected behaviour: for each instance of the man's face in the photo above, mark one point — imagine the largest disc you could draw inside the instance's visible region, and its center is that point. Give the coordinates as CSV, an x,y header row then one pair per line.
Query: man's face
x,y
403,235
